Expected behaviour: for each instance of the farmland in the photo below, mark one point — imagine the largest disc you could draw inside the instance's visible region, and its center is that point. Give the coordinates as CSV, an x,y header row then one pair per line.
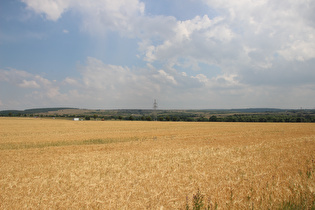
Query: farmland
x,y
63,164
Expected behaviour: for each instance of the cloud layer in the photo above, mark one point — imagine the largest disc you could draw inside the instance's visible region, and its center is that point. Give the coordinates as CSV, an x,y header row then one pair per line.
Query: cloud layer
x,y
249,54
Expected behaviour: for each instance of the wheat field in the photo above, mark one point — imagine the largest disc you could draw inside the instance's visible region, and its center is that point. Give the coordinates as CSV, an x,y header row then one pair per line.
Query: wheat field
x,y
64,164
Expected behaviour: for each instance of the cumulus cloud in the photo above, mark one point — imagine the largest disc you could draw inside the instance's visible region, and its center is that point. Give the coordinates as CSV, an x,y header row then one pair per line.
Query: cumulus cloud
x,y
70,81
28,88
13,75
119,85
272,26
166,77
199,40
262,48
29,84
268,27
122,83
51,9
97,16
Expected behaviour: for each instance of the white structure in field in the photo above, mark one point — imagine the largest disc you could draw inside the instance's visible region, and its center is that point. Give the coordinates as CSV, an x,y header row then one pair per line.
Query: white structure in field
x,y
76,119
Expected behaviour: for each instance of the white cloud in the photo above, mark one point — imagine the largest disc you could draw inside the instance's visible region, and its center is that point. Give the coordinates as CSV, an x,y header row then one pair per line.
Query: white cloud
x,y
13,75
97,16
21,85
273,26
200,40
286,28
184,29
202,78
300,50
52,9
115,81
29,84
259,46
53,93
70,81
109,86
163,76
101,16
121,87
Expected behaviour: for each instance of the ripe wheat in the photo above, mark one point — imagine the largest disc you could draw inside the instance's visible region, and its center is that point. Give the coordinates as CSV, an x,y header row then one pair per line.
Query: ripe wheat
x,y
60,164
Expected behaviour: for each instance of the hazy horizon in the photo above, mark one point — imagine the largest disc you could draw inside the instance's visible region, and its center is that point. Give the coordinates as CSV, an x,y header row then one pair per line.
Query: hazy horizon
x,y
159,109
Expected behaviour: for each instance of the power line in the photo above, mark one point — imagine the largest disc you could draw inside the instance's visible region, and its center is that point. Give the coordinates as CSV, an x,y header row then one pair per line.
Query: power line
x,y
155,106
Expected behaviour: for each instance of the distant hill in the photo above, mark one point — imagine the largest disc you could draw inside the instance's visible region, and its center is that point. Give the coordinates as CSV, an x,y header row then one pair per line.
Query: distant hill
x,y
258,110
32,111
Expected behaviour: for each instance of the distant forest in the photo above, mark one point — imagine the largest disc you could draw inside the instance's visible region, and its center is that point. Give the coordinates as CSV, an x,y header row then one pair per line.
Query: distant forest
x,y
212,115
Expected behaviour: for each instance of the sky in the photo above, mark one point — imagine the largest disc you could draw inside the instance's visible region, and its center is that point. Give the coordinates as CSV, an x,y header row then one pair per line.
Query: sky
x,y
186,54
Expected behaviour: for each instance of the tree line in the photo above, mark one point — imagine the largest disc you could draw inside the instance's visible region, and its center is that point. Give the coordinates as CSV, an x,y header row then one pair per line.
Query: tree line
x,y
177,118
185,116
263,118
